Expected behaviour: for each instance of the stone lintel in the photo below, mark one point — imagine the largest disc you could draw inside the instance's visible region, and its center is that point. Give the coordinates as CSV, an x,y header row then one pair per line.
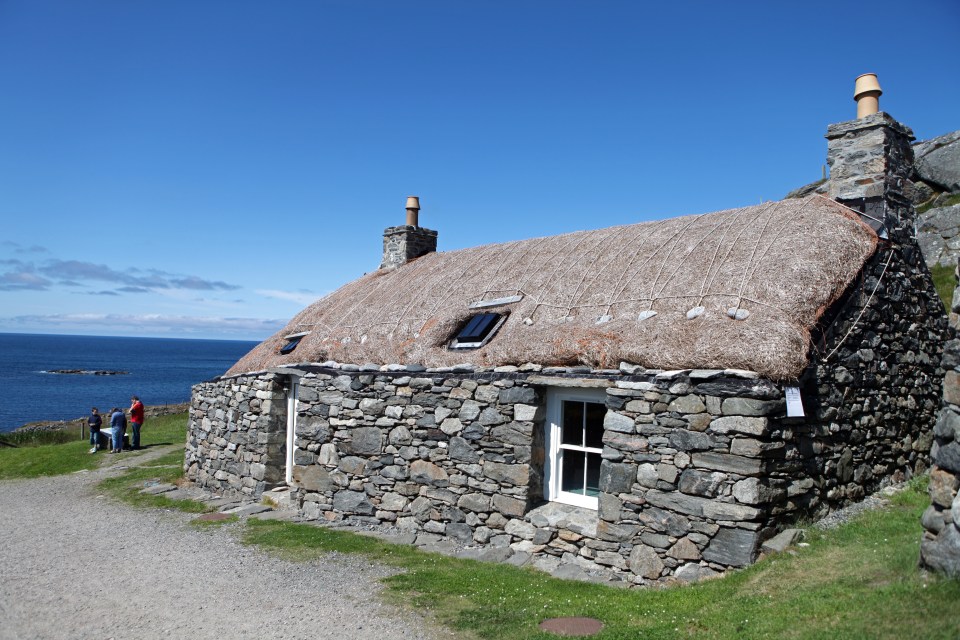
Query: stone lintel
x,y
589,383
288,371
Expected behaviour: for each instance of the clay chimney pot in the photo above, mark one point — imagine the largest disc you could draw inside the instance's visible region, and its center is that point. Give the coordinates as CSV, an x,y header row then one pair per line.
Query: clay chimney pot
x,y
413,211
867,93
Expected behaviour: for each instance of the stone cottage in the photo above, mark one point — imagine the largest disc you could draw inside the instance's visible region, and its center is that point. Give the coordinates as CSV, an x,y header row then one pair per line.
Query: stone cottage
x,y
653,400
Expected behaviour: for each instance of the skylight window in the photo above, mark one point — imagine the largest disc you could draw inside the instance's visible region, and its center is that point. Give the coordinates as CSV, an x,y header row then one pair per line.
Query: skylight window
x,y
478,331
292,342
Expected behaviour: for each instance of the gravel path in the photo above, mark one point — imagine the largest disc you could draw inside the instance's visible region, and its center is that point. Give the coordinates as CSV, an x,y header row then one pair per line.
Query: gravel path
x,y
74,565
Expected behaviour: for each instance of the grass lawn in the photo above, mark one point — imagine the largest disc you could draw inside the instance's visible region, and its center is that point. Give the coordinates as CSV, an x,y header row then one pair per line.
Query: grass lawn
x,y
57,459
859,581
945,281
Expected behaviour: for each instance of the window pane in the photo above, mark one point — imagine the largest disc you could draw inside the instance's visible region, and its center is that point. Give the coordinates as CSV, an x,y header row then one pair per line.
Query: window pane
x,y
572,479
595,413
478,328
572,432
291,345
593,474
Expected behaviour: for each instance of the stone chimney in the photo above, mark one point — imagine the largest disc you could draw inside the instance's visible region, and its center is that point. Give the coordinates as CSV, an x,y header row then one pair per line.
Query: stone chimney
x,y
404,243
870,162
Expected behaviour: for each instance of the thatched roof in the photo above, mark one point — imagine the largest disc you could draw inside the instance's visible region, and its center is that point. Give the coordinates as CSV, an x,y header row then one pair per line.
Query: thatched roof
x,y
584,293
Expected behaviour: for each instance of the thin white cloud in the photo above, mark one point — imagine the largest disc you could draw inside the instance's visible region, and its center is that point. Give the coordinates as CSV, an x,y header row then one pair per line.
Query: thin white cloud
x,y
19,280
301,297
80,270
77,273
193,282
152,323
19,248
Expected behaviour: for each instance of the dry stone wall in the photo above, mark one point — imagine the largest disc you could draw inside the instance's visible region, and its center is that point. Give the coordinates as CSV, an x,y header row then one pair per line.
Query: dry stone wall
x,y
699,467
940,545
236,435
872,392
686,484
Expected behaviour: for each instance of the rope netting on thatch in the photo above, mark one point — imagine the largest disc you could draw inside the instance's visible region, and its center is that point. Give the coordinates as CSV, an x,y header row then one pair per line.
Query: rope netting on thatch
x,y
589,297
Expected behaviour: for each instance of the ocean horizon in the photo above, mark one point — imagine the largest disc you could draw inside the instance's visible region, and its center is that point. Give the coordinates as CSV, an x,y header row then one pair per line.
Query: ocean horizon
x,y
158,370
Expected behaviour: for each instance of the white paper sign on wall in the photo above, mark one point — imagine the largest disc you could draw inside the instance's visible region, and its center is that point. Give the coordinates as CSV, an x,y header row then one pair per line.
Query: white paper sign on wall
x,y
794,404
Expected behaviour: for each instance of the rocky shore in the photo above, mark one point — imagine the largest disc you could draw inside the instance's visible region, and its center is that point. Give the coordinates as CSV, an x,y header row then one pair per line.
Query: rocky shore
x,y
77,423
87,372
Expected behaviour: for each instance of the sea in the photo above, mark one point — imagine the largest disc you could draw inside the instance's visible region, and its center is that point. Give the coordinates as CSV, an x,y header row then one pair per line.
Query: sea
x,y
158,370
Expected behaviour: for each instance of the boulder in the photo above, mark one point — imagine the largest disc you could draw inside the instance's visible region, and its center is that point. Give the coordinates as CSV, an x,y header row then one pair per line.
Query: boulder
x,y
943,552
937,161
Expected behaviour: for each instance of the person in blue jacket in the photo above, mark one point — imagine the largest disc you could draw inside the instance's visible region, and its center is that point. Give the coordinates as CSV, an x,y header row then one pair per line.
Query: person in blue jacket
x,y
94,422
118,422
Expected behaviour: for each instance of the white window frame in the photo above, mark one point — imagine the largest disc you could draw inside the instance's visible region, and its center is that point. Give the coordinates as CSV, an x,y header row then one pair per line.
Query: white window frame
x,y
453,344
553,469
293,394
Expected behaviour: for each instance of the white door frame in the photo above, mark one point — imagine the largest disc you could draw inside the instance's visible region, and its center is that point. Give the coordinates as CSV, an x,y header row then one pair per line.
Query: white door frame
x,y
293,392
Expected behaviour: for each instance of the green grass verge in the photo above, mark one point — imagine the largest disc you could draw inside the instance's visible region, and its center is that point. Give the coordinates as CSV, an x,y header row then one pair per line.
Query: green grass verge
x,y
945,279
45,460
859,581
165,469
58,459
947,202
39,438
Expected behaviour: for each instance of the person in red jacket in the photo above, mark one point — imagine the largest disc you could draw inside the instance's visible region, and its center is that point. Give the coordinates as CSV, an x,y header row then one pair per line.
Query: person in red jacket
x,y
136,421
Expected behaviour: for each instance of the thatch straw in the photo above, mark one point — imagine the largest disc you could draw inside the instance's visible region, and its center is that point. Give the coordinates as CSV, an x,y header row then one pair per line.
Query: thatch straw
x,y
783,262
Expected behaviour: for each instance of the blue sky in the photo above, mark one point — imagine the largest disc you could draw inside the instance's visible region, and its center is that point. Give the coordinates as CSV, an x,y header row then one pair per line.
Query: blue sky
x,y
207,168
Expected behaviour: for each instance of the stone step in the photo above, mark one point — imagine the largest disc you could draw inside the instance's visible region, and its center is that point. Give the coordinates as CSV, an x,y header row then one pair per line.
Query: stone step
x,y
157,489
247,510
283,516
281,497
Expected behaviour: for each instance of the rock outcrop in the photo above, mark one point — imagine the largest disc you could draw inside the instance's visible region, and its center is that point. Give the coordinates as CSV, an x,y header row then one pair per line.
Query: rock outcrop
x,y
938,234
937,163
